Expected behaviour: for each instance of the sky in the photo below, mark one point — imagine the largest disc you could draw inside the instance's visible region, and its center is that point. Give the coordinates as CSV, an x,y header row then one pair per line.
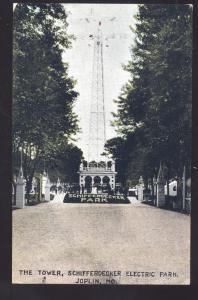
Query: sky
x,y
83,20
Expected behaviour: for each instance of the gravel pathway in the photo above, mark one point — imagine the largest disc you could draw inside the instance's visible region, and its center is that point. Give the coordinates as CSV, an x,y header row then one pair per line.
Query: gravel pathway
x,y
135,240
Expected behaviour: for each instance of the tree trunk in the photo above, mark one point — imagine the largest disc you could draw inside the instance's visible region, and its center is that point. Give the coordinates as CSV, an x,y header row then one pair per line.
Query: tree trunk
x,y
28,189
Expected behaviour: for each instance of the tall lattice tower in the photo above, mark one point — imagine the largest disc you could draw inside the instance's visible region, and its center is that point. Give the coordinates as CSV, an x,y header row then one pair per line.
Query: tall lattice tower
x,y
97,130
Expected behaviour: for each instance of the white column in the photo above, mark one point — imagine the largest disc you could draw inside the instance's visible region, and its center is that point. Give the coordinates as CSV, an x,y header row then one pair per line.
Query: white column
x,y
47,190
44,180
113,181
155,190
140,189
20,190
81,179
82,182
160,188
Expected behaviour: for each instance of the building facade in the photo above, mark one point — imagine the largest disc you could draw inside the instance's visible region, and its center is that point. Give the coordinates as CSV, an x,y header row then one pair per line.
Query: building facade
x,y
97,174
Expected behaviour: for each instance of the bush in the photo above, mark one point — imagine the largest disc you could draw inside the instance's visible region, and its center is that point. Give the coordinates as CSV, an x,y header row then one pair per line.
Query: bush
x,y
51,197
33,199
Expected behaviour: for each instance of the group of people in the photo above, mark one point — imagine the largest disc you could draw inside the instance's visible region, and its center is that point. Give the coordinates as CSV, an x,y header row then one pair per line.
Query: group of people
x,y
97,189
94,189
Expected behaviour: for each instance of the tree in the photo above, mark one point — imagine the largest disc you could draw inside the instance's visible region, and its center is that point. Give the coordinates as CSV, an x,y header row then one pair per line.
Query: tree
x,y
154,108
65,163
43,94
116,148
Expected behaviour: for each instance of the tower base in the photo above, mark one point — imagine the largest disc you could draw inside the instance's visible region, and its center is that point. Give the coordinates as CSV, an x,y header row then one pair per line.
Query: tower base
x,y
100,176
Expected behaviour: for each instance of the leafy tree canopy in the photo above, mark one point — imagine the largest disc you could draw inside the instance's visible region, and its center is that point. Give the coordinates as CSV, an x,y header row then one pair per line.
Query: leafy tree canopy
x,y
154,107
43,92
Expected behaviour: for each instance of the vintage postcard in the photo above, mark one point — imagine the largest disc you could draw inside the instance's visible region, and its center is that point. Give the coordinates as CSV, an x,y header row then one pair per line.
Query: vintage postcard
x,y
101,135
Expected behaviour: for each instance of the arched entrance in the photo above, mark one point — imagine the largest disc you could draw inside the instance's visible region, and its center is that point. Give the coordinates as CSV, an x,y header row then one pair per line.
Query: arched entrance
x,y
106,186
88,184
88,181
97,180
106,180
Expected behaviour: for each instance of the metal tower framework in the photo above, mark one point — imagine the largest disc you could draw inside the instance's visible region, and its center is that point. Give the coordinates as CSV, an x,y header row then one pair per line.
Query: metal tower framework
x,y
97,126
93,173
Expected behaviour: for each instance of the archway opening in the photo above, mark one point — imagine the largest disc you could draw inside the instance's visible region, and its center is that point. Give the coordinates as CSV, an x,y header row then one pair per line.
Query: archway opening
x,y
106,180
106,185
97,180
88,182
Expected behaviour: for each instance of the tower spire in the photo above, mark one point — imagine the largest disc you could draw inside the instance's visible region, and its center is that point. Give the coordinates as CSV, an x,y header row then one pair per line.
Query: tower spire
x,y
97,129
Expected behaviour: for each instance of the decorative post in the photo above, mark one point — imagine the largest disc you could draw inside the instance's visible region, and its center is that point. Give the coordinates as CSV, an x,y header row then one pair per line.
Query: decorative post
x,y
141,189
184,189
160,187
20,188
40,187
92,183
44,180
81,180
47,190
155,190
